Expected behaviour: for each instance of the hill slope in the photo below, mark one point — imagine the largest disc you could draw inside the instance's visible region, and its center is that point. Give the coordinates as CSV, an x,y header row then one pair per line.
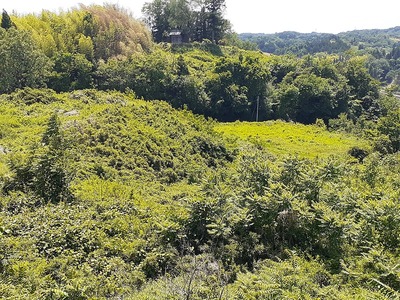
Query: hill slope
x,y
106,197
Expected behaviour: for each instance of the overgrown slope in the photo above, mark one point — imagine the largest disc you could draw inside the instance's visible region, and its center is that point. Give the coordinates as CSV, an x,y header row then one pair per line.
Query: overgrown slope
x,y
107,197
128,161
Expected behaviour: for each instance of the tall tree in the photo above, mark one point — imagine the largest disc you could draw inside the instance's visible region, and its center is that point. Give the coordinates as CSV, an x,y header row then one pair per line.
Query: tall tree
x,y
51,178
6,22
181,17
197,19
23,64
216,22
157,17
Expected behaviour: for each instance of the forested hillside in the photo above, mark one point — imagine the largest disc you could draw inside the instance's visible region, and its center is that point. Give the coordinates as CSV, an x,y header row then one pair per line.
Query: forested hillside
x,y
132,168
297,43
105,48
381,46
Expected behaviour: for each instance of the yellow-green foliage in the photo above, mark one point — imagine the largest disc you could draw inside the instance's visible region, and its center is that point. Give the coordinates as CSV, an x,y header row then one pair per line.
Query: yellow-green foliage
x,y
282,138
105,30
131,162
117,32
157,206
201,58
295,278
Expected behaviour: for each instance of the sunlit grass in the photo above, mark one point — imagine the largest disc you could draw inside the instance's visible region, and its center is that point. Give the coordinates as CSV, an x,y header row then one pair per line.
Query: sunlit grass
x,y
282,138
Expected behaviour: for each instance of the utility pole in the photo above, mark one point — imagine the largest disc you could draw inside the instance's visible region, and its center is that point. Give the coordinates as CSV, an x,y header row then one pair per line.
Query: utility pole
x,y
258,106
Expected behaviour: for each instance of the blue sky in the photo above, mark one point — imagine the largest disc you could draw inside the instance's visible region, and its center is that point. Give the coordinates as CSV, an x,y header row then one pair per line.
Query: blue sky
x,y
267,16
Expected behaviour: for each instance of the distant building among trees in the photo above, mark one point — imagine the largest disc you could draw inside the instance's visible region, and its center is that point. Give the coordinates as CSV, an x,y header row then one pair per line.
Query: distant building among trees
x,y
175,36
196,21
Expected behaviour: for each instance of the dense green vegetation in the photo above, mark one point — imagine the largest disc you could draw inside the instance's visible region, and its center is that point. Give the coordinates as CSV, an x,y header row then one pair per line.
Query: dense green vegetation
x,y
195,20
62,51
105,196
226,83
105,48
83,191
297,43
107,193
380,46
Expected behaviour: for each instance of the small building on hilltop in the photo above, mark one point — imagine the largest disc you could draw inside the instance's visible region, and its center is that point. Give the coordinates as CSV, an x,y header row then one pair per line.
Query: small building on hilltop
x,y
175,37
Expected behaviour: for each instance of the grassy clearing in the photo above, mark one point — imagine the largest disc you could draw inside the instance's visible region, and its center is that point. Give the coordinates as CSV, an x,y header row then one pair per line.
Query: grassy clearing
x,y
282,138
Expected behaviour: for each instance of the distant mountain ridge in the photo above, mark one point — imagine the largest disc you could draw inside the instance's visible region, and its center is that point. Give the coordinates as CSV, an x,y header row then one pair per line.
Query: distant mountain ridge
x,y
314,42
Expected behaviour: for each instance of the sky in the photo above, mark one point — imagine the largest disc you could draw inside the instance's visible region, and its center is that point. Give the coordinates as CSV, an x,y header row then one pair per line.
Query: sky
x,y
264,16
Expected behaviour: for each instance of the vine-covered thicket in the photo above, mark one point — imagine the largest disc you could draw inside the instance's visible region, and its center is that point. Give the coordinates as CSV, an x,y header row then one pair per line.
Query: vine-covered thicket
x,y
104,196
107,193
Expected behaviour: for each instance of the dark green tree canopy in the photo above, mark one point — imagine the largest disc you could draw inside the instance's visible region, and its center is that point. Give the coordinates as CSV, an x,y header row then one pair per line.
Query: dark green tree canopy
x,y
23,64
197,20
6,22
